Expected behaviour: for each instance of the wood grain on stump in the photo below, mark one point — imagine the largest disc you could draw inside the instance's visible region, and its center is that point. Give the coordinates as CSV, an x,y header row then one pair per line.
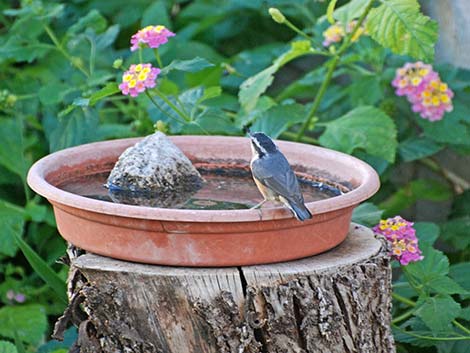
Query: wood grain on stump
x,y
338,301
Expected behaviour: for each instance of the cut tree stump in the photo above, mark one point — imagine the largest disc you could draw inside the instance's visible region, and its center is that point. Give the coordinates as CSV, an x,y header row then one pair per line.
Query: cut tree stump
x,y
338,301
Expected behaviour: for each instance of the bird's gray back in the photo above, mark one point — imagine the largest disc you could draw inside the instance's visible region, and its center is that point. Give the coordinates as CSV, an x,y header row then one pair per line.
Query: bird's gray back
x,y
276,173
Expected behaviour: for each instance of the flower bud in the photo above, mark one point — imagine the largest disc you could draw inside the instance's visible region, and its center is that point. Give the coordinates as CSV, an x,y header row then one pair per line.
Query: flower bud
x,y
11,100
117,63
277,15
161,126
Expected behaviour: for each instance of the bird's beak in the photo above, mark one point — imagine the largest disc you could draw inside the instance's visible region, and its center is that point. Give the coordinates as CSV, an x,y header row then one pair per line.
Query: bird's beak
x,y
246,130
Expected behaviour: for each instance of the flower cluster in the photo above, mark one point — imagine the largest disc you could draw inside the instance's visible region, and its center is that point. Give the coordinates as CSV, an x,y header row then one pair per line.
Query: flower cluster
x,y
152,36
401,234
335,33
423,88
14,296
142,76
138,78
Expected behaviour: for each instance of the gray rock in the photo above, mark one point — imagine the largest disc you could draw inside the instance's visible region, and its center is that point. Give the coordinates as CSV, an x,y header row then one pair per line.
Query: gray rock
x,y
154,165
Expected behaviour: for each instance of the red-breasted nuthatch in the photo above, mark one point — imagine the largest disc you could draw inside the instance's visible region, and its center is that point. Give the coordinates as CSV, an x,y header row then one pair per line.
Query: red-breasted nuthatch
x,y
274,177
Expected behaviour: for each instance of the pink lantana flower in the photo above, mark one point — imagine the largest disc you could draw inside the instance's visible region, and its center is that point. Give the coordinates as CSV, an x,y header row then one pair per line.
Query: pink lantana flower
x,y
423,88
402,236
138,78
412,77
433,101
152,36
335,33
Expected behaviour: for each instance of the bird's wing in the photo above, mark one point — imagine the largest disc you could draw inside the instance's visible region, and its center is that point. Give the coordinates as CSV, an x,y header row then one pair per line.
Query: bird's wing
x,y
277,175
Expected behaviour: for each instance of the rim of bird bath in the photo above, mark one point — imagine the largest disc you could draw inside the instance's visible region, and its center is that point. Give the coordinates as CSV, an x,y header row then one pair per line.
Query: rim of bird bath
x,y
186,237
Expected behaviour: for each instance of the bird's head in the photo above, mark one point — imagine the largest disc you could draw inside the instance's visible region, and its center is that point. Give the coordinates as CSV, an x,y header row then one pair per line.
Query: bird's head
x,y
262,144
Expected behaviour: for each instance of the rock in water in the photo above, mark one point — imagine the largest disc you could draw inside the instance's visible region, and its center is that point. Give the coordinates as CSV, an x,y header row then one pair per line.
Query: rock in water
x,y
154,165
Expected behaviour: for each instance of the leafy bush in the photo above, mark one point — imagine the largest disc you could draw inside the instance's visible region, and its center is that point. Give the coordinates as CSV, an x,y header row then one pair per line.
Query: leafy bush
x,y
229,67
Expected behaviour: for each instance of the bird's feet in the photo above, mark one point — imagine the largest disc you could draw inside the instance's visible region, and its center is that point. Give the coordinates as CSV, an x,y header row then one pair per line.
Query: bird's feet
x,y
258,205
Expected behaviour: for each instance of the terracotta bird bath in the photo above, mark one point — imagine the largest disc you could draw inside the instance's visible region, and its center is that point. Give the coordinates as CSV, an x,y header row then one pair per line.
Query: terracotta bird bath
x,y
184,237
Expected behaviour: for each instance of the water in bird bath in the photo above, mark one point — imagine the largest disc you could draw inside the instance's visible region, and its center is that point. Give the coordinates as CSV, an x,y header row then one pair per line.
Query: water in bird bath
x,y
222,189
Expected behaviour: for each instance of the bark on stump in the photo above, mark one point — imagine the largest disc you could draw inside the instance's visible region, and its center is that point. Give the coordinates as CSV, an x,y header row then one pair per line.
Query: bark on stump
x,y
338,301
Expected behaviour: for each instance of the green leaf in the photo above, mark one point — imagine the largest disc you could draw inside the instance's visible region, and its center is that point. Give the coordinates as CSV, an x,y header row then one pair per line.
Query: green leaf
x,y
416,148
427,233
353,9
108,90
367,214
92,19
112,131
212,121
416,326
365,128
107,38
244,118
465,313
435,264
454,128
455,232
429,189
445,285
21,49
274,121
7,347
438,312
253,87
329,11
193,65
365,91
12,220
52,93
210,92
461,205
420,189
400,26
35,212
11,153
28,321
191,99
42,269
54,346
75,129
157,9
459,272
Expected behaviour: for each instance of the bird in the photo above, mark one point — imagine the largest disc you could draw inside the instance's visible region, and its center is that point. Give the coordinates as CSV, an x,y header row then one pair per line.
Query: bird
x,y
274,176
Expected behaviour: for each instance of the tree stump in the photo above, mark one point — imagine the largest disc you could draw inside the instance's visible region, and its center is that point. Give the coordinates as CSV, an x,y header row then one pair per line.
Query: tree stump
x,y
338,301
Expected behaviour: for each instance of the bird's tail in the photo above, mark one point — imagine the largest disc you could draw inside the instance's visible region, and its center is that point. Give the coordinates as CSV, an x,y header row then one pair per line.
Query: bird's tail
x,y
299,210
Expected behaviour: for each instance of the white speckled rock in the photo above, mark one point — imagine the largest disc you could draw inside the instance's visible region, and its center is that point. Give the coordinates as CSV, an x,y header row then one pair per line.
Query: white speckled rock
x,y
154,164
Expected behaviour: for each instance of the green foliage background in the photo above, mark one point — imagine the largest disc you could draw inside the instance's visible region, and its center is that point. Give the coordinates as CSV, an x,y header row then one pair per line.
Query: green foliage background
x,y
229,66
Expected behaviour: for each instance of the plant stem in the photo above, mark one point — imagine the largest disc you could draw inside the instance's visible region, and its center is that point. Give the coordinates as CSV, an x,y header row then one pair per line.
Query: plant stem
x,y
402,317
158,106
460,326
172,106
157,56
431,338
321,92
297,29
332,66
61,49
411,303
404,300
459,184
141,60
292,136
